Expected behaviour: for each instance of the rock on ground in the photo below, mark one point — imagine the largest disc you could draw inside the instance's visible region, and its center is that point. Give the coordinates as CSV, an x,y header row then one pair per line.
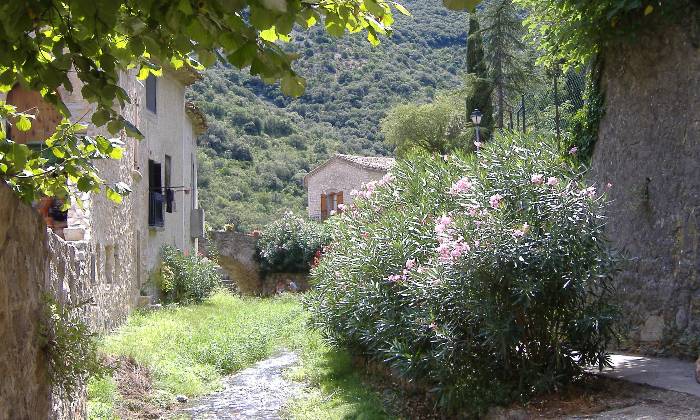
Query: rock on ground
x,y
259,392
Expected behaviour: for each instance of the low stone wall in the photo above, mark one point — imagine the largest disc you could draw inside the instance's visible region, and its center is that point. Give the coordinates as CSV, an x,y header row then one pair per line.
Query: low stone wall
x,y
24,386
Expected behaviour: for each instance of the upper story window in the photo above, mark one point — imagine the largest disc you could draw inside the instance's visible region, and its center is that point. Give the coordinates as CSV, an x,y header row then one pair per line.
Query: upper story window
x,y
151,93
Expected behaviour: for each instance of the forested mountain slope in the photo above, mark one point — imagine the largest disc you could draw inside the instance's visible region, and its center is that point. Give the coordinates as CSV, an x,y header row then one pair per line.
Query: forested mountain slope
x,y
260,144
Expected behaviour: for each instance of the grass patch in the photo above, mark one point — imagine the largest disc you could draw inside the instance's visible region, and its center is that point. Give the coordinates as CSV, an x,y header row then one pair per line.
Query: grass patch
x,y
188,349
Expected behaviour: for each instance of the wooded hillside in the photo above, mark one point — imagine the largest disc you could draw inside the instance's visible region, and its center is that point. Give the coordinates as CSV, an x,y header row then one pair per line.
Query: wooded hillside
x,y
260,144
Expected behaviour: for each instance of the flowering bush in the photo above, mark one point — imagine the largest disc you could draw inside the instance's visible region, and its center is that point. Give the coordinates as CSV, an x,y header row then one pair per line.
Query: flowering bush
x,y
483,276
290,244
187,278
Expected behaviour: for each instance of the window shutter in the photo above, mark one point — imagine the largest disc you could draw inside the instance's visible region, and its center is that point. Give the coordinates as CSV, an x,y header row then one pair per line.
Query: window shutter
x,y
324,207
340,198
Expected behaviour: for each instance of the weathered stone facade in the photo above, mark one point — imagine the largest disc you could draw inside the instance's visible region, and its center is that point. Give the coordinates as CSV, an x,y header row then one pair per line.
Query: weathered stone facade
x,y
24,388
342,173
649,149
110,250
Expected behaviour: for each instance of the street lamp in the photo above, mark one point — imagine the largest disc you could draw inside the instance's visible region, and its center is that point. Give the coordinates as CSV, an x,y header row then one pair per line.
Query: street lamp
x,y
476,119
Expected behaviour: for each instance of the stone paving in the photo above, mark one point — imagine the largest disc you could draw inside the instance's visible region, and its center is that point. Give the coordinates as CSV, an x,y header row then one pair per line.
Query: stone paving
x,y
259,392
665,373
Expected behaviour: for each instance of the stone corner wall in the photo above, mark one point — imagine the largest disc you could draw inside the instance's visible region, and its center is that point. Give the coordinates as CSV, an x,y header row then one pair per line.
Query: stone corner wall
x,y
649,149
24,387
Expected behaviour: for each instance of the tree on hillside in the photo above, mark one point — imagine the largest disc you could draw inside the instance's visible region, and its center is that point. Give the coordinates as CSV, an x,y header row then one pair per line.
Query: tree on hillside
x,y
42,41
510,66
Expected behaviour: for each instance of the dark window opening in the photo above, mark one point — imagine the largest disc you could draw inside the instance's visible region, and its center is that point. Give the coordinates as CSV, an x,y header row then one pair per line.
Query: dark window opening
x,y
151,93
155,195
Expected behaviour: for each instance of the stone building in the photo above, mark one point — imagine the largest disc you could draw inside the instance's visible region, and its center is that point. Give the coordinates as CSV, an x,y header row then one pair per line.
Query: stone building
x,y
330,184
105,251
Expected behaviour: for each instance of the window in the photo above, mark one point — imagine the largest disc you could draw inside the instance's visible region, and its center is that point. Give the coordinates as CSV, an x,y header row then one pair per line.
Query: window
x,y
151,93
330,203
109,264
155,195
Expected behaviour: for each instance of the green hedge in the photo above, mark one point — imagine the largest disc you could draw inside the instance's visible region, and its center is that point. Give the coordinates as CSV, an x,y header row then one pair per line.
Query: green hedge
x,y
483,276
186,278
289,245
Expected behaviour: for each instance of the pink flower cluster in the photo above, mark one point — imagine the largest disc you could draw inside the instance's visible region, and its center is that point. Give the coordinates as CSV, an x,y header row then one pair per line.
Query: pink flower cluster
x,y
450,248
461,186
520,232
410,265
495,200
386,179
367,190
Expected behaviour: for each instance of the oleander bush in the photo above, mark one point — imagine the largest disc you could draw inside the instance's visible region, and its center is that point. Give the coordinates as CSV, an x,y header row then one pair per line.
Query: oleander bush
x,y
187,278
484,276
289,244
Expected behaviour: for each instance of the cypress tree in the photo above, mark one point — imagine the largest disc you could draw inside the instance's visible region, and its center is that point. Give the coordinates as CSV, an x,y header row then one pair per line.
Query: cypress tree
x,y
477,81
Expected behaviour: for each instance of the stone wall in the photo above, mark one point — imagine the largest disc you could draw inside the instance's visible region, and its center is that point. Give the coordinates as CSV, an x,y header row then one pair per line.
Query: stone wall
x,y
649,149
236,254
24,388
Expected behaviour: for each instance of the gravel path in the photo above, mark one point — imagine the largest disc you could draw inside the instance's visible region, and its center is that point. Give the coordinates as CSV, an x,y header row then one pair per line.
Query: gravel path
x,y
258,392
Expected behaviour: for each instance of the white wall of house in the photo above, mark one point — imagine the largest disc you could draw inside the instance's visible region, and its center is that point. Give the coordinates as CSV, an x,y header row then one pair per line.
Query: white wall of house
x,y
336,176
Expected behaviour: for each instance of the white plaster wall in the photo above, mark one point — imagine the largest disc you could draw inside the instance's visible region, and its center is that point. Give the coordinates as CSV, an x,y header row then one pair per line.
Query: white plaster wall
x,y
337,176
168,131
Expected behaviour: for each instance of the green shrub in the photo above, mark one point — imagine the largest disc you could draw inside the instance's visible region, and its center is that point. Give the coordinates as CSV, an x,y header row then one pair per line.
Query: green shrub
x,y
484,277
290,244
187,278
71,348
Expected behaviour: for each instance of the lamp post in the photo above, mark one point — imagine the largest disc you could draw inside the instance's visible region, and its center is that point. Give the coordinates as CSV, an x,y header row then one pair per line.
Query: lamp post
x,y
476,119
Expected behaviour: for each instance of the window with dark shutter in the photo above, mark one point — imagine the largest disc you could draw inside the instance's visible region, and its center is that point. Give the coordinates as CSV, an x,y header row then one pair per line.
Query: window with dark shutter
x,y
155,195
151,93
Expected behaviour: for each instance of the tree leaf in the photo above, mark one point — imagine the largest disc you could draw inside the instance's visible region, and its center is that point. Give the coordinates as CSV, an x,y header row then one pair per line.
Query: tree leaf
x,y
23,123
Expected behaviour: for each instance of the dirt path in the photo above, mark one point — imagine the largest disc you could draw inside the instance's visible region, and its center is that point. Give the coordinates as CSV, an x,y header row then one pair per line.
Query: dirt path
x,y
258,392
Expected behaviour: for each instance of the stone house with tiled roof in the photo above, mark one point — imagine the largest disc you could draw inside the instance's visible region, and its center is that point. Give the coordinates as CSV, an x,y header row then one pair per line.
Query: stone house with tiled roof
x,y
329,184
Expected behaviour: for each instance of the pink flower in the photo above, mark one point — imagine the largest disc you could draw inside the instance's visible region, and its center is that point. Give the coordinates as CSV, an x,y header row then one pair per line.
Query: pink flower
x,y
573,150
445,220
354,193
386,179
518,233
590,192
609,185
395,278
478,144
341,207
473,211
365,235
495,200
537,179
461,186
410,264
433,326
552,181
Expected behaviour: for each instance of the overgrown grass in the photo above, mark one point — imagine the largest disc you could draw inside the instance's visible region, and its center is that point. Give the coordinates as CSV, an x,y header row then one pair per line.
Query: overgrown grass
x,y
188,350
